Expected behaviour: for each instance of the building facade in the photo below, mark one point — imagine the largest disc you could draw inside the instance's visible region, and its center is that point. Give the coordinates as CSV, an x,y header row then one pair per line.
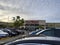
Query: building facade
x,y
53,25
35,23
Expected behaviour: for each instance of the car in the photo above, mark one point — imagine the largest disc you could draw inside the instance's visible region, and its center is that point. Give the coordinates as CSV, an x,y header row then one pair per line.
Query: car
x,y
21,32
34,32
3,34
50,32
10,32
35,41
41,32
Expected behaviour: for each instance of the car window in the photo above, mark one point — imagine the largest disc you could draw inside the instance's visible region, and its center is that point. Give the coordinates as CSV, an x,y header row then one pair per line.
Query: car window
x,y
48,33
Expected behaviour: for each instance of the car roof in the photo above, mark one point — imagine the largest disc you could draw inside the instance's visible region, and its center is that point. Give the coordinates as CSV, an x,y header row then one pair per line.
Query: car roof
x,y
40,38
47,38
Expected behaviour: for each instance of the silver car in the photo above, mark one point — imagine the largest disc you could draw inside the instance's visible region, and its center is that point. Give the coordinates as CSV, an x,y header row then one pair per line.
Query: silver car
x,y
35,41
3,34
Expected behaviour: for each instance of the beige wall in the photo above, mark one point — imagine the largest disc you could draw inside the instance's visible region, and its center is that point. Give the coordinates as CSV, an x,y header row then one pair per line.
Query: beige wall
x,y
54,25
39,22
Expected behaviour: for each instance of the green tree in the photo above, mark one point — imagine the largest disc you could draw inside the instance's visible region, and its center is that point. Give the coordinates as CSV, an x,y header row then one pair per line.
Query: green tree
x,y
22,21
18,22
41,26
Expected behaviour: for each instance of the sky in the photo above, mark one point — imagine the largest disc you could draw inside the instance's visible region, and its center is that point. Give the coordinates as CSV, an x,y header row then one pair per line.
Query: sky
x,y
48,10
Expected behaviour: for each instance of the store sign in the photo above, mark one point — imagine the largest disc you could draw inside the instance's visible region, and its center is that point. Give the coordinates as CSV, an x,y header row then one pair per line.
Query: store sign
x,y
32,22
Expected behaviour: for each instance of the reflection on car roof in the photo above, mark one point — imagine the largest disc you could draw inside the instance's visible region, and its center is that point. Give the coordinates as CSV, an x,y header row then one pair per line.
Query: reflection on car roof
x,y
40,38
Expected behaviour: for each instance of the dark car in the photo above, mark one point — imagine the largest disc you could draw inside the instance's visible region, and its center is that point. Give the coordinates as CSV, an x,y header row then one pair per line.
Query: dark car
x,y
50,32
21,32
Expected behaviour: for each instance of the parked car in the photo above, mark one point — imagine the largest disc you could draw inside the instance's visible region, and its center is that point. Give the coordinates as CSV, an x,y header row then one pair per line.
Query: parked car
x,y
34,32
21,32
50,32
3,34
35,41
10,32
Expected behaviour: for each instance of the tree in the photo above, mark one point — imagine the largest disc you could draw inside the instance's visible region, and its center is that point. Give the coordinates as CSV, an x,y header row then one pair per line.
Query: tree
x,y
22,21
41,26
18,22
13,18
18,17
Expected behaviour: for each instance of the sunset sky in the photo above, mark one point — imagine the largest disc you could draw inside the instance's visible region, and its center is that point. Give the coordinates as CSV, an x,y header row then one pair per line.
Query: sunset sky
x,y
48,10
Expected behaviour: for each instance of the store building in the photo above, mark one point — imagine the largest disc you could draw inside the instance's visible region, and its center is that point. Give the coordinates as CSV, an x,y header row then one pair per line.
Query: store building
x,y
32,24
53,25
35,23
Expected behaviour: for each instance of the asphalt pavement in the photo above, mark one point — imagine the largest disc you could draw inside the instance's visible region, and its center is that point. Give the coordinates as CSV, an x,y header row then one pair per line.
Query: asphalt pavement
x,y
9,39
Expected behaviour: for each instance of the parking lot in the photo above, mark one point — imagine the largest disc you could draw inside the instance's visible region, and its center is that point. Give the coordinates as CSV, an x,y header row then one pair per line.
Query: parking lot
x,y
23,34
8,39
7,35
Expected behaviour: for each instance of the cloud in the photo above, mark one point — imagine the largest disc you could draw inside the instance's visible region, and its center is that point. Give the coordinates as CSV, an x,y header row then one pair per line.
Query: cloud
x,y
31,9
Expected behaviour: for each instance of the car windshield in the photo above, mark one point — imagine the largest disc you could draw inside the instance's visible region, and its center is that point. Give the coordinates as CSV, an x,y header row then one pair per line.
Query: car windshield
x,y
32,20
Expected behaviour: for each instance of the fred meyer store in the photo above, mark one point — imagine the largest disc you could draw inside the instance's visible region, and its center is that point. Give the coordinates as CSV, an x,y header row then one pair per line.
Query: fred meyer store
x,y
42,23
35,23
